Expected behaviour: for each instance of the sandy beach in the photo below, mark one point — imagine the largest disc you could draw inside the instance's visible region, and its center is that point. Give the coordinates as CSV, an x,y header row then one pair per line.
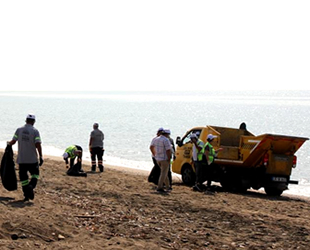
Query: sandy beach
x,y
119,209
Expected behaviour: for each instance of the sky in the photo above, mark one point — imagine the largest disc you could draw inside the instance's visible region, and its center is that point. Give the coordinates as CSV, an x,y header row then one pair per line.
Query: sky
x,y
154,45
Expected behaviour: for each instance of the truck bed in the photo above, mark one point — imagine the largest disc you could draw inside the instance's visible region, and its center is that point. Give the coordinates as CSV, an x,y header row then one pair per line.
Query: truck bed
x,y
251,149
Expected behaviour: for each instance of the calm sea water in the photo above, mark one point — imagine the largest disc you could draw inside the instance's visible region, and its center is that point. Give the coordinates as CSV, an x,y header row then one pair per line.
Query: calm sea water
x,y
129,120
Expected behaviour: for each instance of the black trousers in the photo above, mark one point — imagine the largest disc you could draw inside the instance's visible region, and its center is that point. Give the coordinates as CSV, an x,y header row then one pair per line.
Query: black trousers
x,y
33,169
97,152
200,169
209,173
72,159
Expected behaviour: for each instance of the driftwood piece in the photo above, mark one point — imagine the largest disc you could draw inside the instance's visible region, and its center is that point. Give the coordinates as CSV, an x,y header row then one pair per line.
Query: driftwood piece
x,y
86,216
45,238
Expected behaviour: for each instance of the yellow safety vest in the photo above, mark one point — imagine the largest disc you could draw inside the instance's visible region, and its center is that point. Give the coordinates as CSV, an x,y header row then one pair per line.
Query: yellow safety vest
x,y
70,150
211,153
201,152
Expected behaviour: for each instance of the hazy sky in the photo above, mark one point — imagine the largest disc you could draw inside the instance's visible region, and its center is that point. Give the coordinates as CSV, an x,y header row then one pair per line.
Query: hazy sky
x,y
154,45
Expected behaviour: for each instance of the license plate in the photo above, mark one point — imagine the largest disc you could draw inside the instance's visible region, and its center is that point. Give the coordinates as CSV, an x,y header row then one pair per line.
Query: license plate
x,y
279,179
281,158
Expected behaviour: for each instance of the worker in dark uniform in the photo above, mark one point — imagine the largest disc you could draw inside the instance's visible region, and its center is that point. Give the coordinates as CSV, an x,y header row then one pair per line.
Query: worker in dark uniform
x,y
29,146
96,147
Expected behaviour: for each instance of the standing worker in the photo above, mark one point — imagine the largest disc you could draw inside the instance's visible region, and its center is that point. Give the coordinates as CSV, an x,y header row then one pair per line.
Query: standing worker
x,y
29,146
199,164
210,154
155,172
96,147
161,148
172,156
72,152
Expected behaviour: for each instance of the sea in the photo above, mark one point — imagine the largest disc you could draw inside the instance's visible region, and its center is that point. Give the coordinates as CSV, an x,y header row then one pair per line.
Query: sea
x,y
130,120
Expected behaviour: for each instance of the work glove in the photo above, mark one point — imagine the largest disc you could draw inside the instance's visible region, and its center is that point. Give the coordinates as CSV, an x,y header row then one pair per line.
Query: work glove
x,y
41,161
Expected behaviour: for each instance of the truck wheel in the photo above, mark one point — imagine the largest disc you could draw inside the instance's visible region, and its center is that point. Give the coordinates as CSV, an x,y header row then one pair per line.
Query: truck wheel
x,y
188,175
273,191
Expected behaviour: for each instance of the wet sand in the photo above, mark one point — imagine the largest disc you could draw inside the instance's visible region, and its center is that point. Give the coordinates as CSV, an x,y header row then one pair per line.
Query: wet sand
x,y
119,209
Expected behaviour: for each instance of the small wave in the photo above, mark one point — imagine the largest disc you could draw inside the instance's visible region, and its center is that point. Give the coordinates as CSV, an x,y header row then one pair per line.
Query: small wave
x,y
110,160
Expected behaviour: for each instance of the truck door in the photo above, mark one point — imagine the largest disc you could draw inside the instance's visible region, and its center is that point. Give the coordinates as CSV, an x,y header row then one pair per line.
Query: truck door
x,y
184,151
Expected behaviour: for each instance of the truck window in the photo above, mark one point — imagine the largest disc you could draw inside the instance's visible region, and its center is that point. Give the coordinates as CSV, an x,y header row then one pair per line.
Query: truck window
x,y
187,139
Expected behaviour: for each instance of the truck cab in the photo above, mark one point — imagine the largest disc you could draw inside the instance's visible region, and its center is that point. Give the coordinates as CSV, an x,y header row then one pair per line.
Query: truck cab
x,y
183,163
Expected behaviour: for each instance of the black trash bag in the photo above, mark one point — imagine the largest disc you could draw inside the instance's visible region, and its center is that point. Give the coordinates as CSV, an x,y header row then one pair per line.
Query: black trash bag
x,y
75,170
8,174
154,175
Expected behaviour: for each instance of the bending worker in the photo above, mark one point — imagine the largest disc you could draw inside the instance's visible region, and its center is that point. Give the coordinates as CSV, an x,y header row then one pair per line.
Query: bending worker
x,y
72,152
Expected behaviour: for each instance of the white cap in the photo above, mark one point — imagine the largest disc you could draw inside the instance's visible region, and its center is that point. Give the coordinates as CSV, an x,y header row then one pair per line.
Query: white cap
x,y
65,155
31,116
211,137
160,130
167,131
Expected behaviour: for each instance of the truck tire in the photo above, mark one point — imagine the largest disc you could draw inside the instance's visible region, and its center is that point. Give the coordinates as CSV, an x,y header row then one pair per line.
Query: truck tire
x,y
272,191
188,175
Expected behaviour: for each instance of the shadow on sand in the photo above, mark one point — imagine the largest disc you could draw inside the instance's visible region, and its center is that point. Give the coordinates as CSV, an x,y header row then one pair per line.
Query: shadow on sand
x,y
249,193
20,204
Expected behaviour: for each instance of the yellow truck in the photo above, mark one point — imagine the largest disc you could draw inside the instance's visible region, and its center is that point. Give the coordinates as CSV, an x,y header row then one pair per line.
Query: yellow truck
x,y
246,161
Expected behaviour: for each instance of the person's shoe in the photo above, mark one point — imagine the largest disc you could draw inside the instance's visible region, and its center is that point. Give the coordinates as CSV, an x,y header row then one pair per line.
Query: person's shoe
x,y
25,199
161,191
209,192
197,188
101,168
30,192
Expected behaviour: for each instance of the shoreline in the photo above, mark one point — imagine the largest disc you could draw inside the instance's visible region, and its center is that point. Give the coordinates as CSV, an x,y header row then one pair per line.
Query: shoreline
x,y
87,165
86,162
131,170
